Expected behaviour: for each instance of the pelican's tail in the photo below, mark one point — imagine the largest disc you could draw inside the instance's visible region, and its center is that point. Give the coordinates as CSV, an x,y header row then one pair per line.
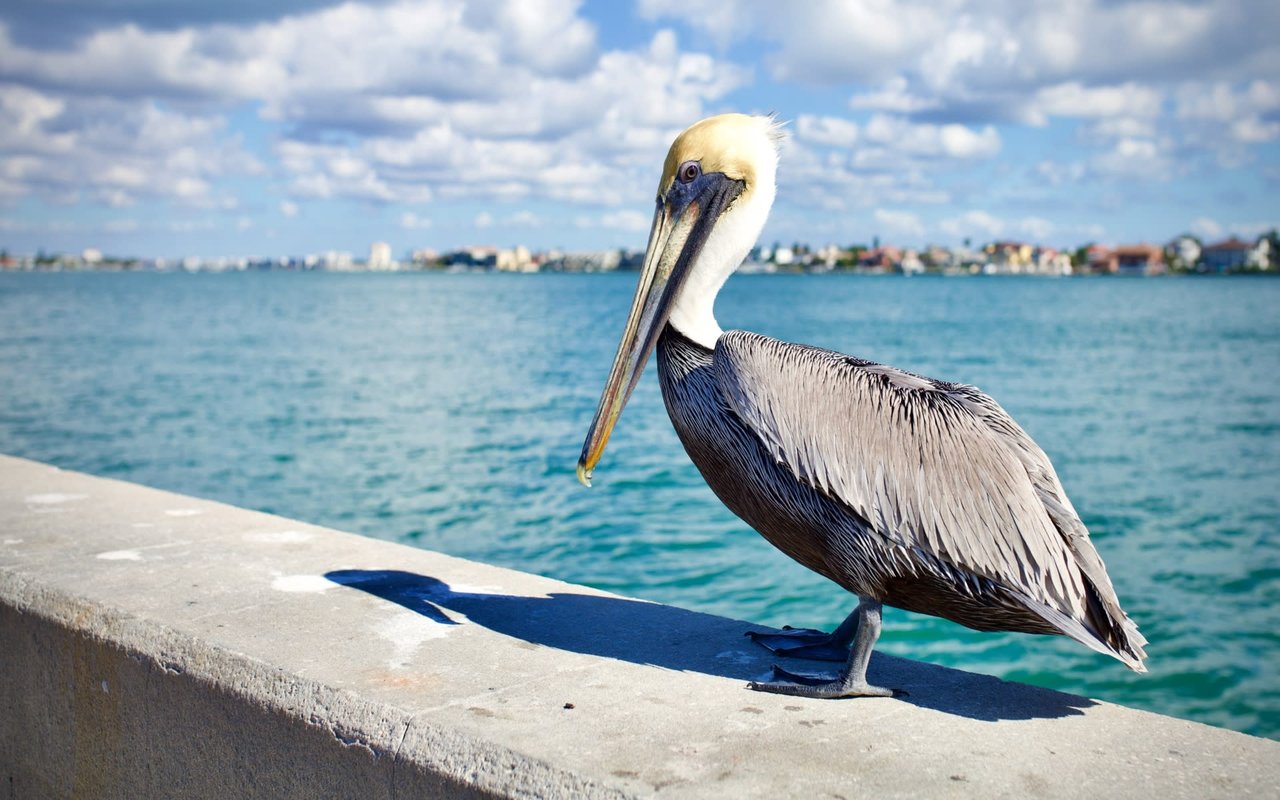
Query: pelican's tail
x,y
1102,631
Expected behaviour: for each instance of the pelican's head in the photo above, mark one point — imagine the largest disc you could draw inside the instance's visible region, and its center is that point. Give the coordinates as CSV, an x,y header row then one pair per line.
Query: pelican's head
x,y
716,190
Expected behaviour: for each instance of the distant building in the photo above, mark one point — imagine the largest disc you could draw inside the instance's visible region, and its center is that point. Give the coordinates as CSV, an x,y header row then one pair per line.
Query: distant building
x,y
337,261
1048,261
1008,258
380,257
1129,259
1226,256
518,259
880,259
1261,257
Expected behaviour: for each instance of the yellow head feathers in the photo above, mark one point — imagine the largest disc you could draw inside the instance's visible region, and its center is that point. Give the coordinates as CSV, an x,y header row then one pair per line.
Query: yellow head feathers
x,y
737,145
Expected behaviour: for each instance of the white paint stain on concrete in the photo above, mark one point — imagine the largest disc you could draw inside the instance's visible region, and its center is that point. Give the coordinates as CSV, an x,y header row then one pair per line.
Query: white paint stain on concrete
x,y
143,525
52,498
277,537
184,512
407,631
302,583
120,555
135,554
14,541
472,589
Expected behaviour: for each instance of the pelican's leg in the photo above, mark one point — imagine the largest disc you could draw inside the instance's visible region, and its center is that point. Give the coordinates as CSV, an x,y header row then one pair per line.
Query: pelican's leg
x,y
808,643
853,681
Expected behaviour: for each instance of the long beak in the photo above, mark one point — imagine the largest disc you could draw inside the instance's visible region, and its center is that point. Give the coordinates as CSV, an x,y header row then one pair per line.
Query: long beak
x,y
679,231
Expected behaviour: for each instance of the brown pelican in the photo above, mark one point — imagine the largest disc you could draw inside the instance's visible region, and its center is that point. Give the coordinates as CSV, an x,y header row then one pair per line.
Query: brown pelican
x,y
905,490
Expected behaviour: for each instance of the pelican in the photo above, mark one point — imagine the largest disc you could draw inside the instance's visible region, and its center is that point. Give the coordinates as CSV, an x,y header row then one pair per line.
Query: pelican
x,y
904,490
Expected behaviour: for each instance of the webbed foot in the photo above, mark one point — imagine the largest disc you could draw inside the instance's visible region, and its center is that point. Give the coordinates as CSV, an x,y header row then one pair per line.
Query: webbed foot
x,y
822,687
862,628
803,643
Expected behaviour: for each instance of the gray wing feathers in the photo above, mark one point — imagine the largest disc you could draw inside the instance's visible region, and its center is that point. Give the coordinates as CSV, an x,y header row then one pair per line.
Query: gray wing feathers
x,y
933,466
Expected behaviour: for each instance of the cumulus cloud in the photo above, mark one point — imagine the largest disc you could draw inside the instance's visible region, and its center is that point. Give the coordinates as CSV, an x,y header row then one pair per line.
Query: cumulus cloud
x,y
826,130
510,99
623,220
1207,228
412,221
1073,99
1118,66
900,135
974,222
954,48
898,223
72,147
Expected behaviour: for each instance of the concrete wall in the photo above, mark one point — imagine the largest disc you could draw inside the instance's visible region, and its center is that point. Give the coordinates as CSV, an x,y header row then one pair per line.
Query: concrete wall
x,y
154,645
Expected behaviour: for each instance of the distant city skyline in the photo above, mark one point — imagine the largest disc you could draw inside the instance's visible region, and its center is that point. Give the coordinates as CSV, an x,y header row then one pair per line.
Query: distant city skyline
x,y
162,129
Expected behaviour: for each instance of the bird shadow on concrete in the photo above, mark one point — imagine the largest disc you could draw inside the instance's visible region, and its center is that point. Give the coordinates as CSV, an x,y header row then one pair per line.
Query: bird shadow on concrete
x,y
674,638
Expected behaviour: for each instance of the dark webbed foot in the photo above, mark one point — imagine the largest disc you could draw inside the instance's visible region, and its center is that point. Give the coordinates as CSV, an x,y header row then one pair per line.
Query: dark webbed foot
x,y
803,643
808,643
852,682
810,686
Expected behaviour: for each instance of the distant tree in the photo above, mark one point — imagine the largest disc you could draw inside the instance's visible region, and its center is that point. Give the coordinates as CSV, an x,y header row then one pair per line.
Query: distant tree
x,y
1080,256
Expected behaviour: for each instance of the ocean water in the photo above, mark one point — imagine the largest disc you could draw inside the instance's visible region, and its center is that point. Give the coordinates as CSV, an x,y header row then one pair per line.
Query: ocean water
x,y
447,411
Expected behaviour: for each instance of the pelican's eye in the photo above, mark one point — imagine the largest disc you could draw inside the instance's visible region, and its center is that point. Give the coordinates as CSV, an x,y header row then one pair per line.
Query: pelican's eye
x,y
689,171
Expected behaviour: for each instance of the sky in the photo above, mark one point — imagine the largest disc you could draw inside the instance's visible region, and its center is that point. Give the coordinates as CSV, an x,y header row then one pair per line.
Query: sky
x,y
166,128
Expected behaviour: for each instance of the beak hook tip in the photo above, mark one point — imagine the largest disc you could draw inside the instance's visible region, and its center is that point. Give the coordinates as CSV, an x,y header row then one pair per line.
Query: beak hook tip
x,y
584,475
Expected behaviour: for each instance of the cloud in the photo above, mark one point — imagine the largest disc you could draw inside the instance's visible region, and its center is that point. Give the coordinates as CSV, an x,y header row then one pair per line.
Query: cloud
x,y
1210,229
959,48
974,223
67,20
895,95
112,151
899,135
1073,99
524,218
1117,64
510,100
411,221
626,220
288,208
982,225
1135,158
832,131
899,223
1207,228
121,226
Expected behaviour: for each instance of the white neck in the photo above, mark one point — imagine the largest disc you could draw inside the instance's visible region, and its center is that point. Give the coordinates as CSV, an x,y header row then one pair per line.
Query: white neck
x,y
727,245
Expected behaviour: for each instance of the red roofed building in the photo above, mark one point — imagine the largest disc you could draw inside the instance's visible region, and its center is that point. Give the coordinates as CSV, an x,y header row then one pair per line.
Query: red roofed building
x,y
1129,259
1226,256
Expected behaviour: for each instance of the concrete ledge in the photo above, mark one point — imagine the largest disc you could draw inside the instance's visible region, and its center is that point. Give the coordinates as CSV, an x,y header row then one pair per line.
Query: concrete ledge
x,y
154,645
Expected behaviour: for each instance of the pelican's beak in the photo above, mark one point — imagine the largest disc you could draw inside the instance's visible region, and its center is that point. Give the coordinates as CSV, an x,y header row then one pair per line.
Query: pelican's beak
x,y
681,225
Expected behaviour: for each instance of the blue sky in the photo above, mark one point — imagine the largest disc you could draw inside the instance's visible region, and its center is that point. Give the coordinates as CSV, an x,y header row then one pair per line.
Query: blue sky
x,y
170,128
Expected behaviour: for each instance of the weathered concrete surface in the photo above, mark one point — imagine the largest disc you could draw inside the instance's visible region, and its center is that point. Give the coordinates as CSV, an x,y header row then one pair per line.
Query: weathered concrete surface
x,y
154,645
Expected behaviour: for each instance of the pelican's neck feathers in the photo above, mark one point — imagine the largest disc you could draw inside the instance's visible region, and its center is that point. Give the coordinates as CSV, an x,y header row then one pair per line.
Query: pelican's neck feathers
x,y
743,148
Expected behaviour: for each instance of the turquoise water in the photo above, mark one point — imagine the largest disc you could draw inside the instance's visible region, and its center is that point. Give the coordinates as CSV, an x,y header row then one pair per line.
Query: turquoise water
x,y
446,411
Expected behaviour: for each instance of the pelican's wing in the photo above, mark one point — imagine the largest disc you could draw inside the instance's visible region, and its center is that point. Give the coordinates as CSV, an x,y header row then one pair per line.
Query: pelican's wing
x,y
934,467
